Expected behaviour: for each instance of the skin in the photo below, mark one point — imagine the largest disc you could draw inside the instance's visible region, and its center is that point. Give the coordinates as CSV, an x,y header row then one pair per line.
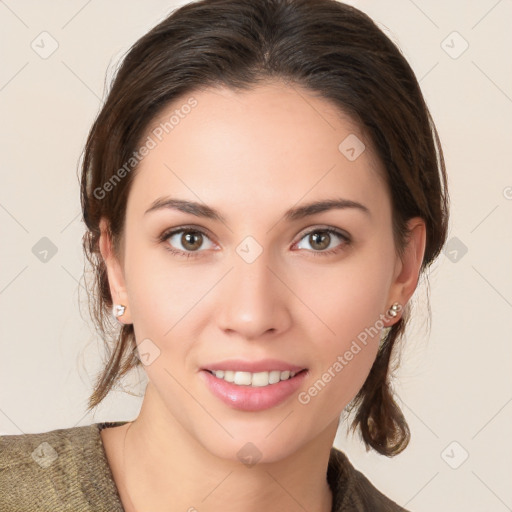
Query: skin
x,y
252,155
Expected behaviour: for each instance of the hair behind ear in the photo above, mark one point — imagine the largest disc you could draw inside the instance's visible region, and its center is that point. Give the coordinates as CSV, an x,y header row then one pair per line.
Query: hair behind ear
x,y
382,424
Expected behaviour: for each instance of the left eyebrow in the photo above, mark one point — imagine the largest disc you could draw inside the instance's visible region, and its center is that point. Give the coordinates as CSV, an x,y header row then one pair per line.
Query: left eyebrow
x,y
293,214
313,208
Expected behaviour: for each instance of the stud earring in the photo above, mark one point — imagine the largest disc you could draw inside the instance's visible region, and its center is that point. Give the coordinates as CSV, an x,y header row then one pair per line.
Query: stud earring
x,y
118,310
394,309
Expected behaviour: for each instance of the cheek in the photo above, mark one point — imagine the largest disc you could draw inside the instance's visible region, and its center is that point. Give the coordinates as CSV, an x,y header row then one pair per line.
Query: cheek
x,y
159,295
349,296
349,300
167,299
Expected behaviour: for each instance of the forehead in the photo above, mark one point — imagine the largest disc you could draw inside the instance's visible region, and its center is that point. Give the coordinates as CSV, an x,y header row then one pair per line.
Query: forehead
x,y
254,148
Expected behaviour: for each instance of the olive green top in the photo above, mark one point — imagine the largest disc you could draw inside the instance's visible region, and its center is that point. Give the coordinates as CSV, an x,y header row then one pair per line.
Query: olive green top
x,y
67,470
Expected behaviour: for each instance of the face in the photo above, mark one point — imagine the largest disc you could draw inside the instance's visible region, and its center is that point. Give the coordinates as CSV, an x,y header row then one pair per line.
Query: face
x,y
253,282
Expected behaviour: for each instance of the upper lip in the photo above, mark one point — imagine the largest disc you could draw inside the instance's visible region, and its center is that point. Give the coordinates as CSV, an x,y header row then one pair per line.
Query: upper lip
x,y
253,366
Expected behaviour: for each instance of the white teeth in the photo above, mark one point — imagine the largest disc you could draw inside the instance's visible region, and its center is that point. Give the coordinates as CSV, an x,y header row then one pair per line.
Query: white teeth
x,y
259,379
243,378
229,376
274,377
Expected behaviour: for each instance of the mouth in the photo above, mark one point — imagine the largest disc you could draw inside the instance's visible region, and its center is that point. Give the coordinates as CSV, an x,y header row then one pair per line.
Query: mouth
x,y
253,392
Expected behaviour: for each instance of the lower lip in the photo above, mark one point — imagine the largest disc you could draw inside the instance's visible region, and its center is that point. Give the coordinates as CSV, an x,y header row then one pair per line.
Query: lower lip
x,y
253,398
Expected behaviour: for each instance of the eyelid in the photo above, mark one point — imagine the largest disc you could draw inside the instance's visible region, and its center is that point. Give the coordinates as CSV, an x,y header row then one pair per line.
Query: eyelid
x,y
188,227
331,229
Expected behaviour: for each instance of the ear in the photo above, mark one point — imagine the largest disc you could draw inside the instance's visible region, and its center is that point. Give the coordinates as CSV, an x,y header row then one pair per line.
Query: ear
x,y
114,272
407,268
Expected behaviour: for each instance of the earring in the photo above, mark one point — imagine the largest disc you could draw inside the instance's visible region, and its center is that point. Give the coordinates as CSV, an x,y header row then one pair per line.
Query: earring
x,y
394,309
118,310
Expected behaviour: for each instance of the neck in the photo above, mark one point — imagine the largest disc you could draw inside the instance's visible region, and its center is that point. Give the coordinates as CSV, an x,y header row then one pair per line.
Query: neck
x,y
165,465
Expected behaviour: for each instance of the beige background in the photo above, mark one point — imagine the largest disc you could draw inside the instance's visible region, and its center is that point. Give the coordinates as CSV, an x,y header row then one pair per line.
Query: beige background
x,y
454,384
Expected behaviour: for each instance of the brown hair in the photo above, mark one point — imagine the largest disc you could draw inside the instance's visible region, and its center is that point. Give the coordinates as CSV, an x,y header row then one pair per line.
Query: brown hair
x,y
325,46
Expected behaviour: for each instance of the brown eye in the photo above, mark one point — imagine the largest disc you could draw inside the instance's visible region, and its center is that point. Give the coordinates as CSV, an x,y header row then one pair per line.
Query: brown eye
x,y
191,240
185,241
319,240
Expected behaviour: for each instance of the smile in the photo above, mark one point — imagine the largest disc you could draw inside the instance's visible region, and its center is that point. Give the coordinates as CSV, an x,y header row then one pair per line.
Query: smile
x,y
253,391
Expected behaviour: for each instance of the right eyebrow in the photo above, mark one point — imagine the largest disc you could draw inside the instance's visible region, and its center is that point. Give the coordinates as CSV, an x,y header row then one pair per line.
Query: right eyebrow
x,y
197,209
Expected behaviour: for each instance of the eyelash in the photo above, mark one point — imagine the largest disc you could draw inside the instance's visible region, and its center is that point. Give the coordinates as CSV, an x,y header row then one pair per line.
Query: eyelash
x,y
163,238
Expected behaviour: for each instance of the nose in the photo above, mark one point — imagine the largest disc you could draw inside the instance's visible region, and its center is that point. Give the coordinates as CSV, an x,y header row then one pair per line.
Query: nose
x,y
253,300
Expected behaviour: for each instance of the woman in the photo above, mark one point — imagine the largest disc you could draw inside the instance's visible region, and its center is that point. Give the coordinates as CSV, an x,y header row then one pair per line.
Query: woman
x,y
262,190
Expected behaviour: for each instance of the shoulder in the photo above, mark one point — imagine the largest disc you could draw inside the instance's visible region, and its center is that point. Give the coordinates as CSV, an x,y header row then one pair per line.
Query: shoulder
x,y
64,469
352,491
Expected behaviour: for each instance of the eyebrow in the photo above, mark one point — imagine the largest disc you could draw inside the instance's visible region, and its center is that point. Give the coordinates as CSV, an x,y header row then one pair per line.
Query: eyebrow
x,y
293,214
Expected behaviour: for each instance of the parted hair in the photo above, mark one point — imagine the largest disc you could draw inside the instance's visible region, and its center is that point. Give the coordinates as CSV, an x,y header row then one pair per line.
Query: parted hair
x,y
329,48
